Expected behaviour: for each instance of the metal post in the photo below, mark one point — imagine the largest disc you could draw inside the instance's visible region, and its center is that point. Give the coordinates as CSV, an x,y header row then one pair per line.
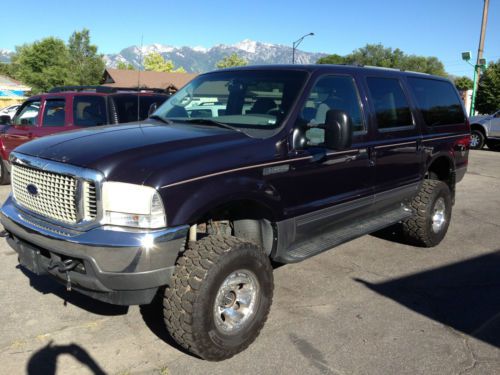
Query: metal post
x,y
477,67
473,99
296,44
293,53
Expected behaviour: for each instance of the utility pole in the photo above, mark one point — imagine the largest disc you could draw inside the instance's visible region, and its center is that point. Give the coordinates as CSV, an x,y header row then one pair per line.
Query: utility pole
x,y
477,67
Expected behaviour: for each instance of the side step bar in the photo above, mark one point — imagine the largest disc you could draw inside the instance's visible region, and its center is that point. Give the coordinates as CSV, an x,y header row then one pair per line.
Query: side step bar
x,y
343,234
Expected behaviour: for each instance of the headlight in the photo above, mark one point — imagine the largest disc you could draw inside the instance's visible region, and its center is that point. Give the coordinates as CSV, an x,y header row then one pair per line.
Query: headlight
x,y
132,205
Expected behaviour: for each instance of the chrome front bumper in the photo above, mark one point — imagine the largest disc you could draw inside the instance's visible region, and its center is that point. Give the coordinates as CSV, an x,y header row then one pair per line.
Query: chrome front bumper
x,y
121,266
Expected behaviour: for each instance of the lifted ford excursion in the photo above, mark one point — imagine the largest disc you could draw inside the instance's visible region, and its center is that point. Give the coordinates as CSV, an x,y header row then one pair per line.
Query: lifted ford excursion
x,y
241,169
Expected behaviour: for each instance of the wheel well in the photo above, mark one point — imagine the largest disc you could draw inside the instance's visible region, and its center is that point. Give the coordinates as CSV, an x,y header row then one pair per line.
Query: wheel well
x,y
478,127
442,169
247,219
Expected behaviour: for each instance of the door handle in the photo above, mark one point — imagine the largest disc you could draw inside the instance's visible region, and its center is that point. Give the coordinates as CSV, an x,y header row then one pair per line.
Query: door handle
x,y
30,135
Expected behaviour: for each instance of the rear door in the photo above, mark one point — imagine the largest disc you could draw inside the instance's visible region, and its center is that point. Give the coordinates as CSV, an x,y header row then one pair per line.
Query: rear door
x,y
396,149
24,125
55,118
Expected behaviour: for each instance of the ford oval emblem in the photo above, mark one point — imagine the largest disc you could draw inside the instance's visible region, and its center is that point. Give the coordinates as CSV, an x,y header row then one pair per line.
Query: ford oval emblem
x,y
32,189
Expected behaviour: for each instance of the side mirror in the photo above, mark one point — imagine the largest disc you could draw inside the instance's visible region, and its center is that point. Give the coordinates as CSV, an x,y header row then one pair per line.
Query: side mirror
x,y
5,120
338,130
152,108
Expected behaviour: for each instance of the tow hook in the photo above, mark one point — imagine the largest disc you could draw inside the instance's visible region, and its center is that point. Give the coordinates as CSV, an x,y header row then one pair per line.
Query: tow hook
x,y
64,266
4,234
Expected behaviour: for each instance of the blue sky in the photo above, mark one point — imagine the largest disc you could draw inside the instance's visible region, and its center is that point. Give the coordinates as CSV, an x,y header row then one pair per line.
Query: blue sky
x,y
441,28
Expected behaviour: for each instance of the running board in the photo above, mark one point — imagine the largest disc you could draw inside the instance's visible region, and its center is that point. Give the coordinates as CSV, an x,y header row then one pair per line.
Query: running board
x,y
343,234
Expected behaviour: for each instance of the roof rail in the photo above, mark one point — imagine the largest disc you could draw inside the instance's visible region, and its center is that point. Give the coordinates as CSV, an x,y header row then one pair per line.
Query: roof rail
x,y
104,89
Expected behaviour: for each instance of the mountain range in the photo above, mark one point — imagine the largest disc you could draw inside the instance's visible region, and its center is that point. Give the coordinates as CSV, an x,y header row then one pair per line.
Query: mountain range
x,y
200,59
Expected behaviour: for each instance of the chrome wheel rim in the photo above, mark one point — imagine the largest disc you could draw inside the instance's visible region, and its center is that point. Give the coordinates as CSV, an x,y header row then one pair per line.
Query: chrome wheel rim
x,y
474,140
236,301
439,215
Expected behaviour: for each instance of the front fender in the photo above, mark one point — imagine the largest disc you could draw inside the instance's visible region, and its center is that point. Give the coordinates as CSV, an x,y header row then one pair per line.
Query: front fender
x,y
188,202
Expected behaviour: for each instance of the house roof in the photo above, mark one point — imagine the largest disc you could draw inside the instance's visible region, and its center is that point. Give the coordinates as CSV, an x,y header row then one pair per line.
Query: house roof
x,y
152,80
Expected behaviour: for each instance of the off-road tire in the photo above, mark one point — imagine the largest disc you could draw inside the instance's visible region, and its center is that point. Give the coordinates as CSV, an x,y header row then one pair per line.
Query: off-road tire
x,y
418,229
4,174
480,139
188,302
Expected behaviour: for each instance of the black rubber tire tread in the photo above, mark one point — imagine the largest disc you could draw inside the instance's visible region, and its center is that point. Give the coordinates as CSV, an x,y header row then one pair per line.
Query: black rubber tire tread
x,y
187,292
482,139
417,228
5,176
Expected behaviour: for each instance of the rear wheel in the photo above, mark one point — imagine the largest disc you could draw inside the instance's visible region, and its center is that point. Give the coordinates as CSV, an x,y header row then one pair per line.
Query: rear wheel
x,y
432,207
477,139
219,298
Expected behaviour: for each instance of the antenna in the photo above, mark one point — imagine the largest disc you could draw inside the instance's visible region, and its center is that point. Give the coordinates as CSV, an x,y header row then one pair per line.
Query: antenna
x,y
139,81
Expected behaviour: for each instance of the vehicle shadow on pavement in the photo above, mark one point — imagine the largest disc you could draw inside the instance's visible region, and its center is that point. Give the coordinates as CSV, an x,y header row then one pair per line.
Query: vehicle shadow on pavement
x,y
47,284
44,361
152,315
463,295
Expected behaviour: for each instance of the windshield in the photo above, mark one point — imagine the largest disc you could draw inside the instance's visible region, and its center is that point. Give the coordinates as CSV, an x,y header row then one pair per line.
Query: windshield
x,y
253,101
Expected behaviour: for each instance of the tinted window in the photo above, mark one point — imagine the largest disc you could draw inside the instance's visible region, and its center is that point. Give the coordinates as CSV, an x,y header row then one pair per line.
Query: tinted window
x,y
89,110
54,113
331,93
391,105
28,114
437,100
126,106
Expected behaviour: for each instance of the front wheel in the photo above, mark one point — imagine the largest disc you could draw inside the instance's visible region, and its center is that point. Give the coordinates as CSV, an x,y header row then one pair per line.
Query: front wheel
x,y
219,297
476,140
432,207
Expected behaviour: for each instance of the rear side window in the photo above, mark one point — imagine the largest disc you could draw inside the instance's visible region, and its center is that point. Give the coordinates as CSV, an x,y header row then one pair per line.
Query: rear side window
x,y
437,100
391,106
54,113
89,110
126,106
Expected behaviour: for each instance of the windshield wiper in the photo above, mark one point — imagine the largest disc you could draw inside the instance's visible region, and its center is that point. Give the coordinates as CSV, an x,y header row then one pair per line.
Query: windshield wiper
x,y
206,121
159,118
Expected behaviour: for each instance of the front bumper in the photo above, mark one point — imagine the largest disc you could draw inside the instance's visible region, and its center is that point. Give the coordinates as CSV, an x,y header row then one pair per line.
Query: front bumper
x,y
115,265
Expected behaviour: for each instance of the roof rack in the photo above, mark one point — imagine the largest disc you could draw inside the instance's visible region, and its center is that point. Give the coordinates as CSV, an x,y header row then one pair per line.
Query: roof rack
x,y
105,89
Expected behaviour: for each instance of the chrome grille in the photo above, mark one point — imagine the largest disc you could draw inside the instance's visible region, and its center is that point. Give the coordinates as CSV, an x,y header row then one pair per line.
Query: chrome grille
x,y
56,196
89,200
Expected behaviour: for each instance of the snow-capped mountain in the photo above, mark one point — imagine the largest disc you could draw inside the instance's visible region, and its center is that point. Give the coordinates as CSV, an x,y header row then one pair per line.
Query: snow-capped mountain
x,y
5,55
201,59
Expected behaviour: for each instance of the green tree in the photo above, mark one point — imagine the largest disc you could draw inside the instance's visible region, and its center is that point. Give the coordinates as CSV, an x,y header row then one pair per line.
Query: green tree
x,y
124,66
6,70
463,83
378,55
230,61
157,63
86,64
43,64
488,94
331,59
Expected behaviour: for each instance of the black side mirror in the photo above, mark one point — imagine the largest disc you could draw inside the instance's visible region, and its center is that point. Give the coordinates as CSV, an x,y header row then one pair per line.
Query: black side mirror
x,y
5,120
152,108
338,130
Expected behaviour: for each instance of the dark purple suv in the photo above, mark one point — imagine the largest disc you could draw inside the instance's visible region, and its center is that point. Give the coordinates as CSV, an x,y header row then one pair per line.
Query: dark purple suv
x,y
241,169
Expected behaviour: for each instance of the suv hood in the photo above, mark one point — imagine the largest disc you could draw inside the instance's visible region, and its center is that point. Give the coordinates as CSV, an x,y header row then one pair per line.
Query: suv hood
x,y
131,152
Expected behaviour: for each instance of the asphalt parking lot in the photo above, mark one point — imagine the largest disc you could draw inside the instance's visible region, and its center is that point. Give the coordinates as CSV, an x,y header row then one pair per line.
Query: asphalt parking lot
x,y
372,306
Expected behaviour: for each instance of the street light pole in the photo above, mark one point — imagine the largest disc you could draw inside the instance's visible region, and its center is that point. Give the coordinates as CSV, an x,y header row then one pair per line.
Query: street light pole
x,y
296,44
479,66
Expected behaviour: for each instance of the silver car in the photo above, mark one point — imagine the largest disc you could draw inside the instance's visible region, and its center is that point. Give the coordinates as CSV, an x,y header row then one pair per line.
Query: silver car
x,y
485,130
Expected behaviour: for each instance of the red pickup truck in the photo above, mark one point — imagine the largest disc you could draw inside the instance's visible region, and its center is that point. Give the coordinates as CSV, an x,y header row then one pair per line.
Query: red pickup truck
x,y
70,108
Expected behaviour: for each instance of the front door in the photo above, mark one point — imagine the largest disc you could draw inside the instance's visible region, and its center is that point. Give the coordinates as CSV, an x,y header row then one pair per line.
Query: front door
x,y
24,125
325,186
